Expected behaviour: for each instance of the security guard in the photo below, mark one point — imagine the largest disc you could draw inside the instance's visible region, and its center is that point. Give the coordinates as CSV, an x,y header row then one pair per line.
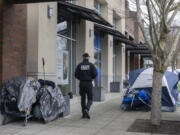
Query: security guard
x,y
85,73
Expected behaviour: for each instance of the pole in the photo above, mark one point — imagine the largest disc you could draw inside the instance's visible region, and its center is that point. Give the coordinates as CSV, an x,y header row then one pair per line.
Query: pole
x,y
43,62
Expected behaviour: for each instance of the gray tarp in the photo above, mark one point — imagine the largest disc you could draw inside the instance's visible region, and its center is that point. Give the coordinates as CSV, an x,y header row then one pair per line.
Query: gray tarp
x,y
27,95
23,90
52,103
26,92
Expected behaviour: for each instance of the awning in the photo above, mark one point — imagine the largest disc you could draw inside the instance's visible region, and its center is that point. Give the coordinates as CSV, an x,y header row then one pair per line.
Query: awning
x,y
117,35
138,49
30,1
146,55
141,51
67,10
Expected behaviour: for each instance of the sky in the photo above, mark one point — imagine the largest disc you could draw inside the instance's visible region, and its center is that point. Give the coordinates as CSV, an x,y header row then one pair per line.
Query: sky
x,y
133,8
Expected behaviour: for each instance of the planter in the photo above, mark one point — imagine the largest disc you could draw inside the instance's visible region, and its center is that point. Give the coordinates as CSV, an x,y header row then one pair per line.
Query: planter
x,y
115,87
64,89
98,94
67,108
125,84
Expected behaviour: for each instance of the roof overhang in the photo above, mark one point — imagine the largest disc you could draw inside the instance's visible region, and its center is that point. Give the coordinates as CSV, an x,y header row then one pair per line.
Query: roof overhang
x,y
68,10
146,55
138,49
141,51
117,35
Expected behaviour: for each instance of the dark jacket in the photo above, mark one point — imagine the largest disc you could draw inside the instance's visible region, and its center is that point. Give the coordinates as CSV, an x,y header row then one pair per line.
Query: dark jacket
x,y
85,71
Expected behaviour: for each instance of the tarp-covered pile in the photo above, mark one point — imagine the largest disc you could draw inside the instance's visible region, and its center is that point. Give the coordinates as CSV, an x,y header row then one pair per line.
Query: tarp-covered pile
x,y
138,95
20,95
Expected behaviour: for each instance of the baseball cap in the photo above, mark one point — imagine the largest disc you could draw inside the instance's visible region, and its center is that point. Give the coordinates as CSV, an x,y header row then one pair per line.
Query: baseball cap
x,y
85,55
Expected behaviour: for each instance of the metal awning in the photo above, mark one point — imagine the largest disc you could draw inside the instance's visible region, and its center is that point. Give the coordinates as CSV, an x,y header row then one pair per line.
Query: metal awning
x,y
30,1
138,49
117,35
141,51
71,11
108,30
146,55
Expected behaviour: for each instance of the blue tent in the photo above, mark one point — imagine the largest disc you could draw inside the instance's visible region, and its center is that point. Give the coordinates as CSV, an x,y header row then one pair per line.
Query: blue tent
x,y
140,82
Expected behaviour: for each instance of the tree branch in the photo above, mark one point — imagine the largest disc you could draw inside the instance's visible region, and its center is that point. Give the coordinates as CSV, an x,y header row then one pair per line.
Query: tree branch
x,y
169,5
158,3
150,22
156,11
142,26
176,6
172,17
174,47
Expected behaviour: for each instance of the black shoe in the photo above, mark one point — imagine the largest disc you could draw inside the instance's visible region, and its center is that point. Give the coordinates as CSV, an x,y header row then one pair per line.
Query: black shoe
x,y
83,116
87,114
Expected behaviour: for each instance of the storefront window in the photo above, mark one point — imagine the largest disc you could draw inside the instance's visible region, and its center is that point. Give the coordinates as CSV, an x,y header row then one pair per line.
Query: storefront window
x,y
73,1
97,6
115,23
97,57
65,62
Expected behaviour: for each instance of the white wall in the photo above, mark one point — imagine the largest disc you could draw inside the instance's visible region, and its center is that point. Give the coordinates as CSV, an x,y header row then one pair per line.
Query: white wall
x,y
85,40
41,40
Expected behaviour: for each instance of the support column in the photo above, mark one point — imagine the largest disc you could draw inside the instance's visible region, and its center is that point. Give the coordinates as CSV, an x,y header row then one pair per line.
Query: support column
x,y
80,40
127,62
136,61
120,64
141,62
107,62
85,40
85,34
132,62
42,32
89,41
107,51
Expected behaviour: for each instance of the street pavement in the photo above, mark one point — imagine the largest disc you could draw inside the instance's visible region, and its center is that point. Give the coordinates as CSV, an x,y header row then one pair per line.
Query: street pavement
x,y
106,119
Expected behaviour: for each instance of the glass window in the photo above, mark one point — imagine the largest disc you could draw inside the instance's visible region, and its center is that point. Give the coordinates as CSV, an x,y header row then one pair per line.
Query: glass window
x,y
115,23
73,1
97,57
66,48
97,6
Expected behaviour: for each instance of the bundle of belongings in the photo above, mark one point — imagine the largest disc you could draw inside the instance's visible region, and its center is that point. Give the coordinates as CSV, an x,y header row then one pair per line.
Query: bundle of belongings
x,y
138,94
26,97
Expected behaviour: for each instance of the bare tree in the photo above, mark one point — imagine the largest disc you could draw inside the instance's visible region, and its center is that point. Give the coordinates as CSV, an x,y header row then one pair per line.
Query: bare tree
x,y
160,15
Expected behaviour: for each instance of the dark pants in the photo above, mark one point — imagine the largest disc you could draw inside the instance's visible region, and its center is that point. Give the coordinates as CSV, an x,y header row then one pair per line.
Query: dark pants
x,y
86,91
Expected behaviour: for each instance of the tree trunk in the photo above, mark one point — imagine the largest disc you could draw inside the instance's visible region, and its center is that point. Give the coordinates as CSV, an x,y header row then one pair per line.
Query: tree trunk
x,y
156,97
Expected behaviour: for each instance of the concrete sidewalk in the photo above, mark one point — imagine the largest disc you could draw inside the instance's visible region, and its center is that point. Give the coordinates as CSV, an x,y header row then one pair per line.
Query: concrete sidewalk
x,y
107,119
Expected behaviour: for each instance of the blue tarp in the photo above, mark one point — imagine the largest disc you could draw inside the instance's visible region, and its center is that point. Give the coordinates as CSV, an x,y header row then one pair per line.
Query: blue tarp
x,y
167,95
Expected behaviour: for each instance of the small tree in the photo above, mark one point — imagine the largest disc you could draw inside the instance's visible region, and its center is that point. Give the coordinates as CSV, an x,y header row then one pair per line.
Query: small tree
x,y
160,15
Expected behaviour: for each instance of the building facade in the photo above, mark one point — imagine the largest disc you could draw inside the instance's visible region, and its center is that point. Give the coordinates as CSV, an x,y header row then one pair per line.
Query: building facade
x,y
62,40
60,32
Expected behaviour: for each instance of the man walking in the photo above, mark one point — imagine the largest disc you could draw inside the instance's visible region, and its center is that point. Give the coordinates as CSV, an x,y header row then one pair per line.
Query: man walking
x,y
85,73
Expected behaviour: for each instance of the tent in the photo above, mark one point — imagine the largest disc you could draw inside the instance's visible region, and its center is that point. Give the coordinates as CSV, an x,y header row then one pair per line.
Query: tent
x,y
176,71
140,83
